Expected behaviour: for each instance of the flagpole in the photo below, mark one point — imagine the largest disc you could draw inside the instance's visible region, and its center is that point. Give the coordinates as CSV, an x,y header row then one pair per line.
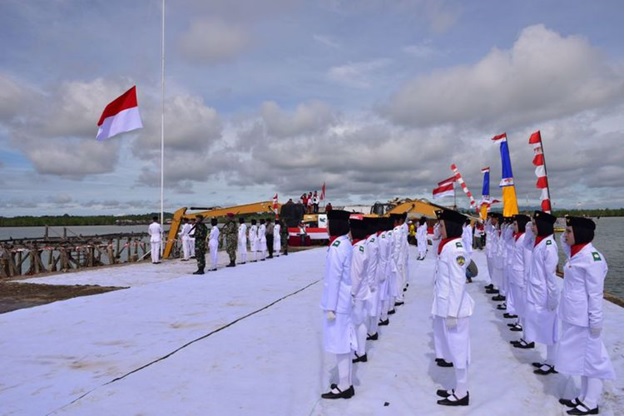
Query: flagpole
x,y
545,168
162,106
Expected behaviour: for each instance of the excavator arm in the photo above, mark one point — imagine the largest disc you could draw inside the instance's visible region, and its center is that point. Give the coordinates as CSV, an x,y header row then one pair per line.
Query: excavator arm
x,y
215,212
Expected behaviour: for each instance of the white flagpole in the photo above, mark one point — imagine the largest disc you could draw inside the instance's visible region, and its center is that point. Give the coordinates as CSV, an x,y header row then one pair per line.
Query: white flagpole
x,y
162,109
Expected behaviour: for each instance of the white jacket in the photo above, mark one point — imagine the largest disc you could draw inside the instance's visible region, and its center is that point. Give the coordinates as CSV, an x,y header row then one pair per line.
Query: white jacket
x,y
450,297
337,280
542,289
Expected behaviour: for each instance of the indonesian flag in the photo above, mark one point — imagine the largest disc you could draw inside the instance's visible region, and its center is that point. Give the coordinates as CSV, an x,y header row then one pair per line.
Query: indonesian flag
x,y
275,204
323,193
120,116
447,189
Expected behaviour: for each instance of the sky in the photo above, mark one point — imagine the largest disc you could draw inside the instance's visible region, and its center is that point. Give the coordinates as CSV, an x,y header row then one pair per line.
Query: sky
x,y
176,343
375,99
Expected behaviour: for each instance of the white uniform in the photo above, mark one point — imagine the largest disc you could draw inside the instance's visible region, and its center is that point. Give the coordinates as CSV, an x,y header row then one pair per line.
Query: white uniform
x,y
467,240
382,273
214,236
261,241
422,241
276,240
517,283
436,239
155,241
542,292
361,293
452,301
398,259
579,310
242,243
254,243
339,335
184,237
490,248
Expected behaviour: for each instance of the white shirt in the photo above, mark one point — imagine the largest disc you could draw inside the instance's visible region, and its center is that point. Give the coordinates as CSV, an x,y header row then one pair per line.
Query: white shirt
x,y
155,232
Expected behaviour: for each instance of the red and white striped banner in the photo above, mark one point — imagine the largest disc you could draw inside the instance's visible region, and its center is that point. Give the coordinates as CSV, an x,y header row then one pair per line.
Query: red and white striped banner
x,y
540,171
459,179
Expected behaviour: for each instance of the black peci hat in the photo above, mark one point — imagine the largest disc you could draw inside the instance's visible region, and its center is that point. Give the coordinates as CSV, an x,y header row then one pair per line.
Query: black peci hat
x,y
338,214
580,222
521,220
450,215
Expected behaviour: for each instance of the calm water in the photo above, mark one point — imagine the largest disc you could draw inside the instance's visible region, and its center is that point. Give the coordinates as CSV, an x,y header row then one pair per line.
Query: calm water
x,y
609,241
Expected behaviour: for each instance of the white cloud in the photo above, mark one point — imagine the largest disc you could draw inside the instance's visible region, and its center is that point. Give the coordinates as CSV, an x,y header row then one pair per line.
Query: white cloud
x,y
213,41
357,74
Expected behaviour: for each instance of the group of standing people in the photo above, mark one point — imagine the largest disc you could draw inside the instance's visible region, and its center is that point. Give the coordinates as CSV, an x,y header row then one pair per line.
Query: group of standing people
x,y
268,237
365,278
522,259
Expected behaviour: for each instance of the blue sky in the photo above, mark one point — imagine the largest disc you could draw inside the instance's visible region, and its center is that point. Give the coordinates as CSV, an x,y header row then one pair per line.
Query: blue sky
x,y
374,98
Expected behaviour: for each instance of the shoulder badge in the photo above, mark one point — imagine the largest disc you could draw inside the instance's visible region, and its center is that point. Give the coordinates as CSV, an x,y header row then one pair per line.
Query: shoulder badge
x,y
459,244
596,256
548,242
460,260
336,243
362,249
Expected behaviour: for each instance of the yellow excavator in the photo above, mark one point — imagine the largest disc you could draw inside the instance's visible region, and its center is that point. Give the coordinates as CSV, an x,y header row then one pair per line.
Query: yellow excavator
x,y
418,207
212,212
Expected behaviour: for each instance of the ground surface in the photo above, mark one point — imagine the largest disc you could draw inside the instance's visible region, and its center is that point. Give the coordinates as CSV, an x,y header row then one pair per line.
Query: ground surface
x,y
14,295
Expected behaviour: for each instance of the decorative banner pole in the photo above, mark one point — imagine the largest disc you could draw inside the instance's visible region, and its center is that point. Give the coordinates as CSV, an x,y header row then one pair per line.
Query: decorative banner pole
x,y
542,173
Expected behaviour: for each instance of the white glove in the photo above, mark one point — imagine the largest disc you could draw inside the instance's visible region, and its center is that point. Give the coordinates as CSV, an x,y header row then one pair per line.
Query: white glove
x,y
595,332
330,315
451,322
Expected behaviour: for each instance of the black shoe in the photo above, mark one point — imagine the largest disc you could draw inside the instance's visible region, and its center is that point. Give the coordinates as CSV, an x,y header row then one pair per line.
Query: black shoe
x,y
452,400
516,328
198,272
509,316
404,290
468,280
545,369
336,393
383,323
398,304
213,270
444,363
391,312
569,403
489,286
523,345
444,392
243,262
582,409
360,358
492,291
501,307
262,259
498,298
231,264
511,325
373,337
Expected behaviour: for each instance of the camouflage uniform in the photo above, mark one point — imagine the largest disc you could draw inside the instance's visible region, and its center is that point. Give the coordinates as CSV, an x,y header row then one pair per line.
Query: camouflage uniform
x,y
231,232
284,237
200,232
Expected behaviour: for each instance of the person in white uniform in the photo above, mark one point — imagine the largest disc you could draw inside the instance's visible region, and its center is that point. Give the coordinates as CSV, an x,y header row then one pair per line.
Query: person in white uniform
x,y
361,293
242,241
261,240
580,351
338,329
467,239
422,239
277,238
520,259
184,238
155,231
214,239
542,290
253,237
452,306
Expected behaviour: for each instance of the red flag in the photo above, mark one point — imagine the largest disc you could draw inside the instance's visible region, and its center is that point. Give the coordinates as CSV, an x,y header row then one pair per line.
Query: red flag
x,y
448,181
323,193
444,190
535,138
120,116
499,137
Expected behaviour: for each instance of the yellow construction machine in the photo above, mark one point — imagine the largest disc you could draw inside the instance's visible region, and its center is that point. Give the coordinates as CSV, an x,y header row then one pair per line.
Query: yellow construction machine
x,y
417,207
212,212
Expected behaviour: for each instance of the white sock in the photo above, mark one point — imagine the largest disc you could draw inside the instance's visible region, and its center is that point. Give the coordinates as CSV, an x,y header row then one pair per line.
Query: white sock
x,y
551,349
344,368
461,382
594,391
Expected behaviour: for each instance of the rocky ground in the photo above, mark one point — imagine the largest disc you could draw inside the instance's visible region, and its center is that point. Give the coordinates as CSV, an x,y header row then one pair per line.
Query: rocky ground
x,y
15,295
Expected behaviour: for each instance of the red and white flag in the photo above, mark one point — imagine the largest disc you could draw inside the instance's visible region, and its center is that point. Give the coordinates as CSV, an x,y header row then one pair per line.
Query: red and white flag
x,y
323,193
275,204
447,189
459,178
120,116
448,181
540,171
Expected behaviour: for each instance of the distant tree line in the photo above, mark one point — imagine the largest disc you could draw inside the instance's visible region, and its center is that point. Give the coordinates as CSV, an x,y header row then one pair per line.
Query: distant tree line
x,y
69,220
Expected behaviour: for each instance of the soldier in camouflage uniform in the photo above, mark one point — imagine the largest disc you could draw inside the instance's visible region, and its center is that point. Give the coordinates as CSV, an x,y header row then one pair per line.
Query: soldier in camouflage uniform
x,y
231,232
284,237
200,232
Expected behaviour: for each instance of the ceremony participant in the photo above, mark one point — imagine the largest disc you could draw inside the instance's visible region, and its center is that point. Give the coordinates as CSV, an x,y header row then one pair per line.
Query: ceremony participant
x,y
452,307
214,236
230,237
269,238
338,330
184,239
467,238
580,351
261,239
254,240
361,293
399,252
520,262
492,231
242,241
542,291
372,248
388,290
155,232
200,231
436,239
192,238
277,242
422,239
284,237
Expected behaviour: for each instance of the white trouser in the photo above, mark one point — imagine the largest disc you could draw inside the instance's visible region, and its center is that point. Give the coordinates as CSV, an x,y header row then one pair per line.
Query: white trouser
x,y
155,249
